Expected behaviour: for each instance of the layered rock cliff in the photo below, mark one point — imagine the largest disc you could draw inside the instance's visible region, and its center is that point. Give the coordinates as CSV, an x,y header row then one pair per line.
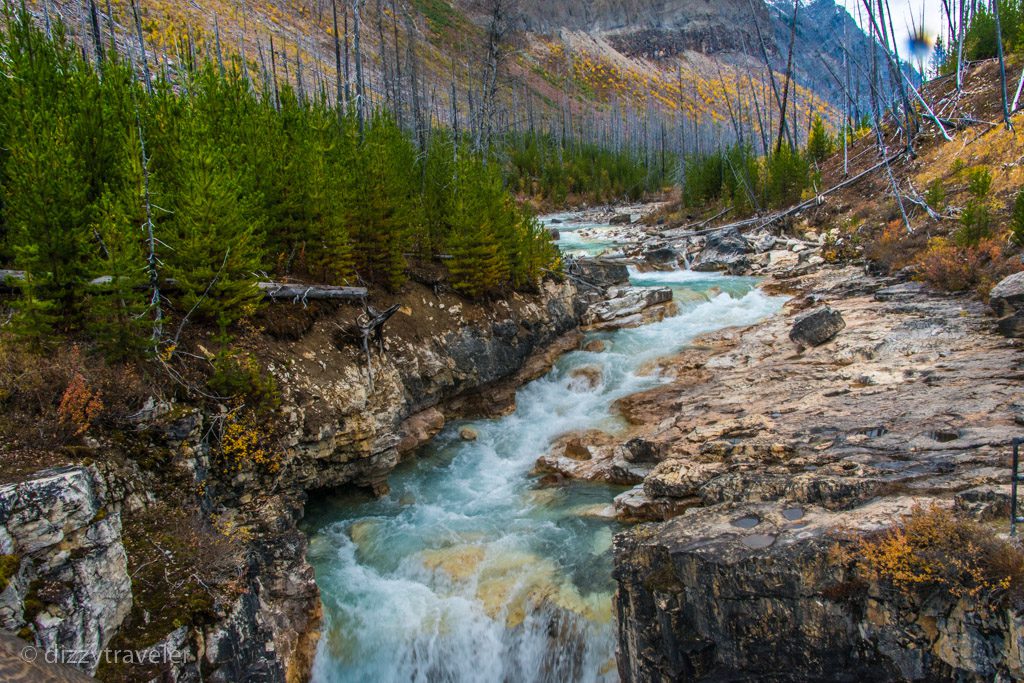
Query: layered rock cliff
x,y
69,585
769,458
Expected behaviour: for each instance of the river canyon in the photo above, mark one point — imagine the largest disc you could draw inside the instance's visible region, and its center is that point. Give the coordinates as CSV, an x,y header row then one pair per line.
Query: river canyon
x,y
471,568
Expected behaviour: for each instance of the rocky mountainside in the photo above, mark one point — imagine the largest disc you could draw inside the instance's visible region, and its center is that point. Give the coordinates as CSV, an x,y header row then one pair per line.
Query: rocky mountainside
x,y
661,31
685,62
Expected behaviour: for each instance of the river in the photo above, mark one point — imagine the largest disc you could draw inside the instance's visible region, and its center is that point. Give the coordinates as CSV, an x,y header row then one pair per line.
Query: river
x,y
469,570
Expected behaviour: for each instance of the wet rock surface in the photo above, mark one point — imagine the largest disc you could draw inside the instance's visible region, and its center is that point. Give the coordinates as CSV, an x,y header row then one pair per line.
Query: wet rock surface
x,y
913,403
724,250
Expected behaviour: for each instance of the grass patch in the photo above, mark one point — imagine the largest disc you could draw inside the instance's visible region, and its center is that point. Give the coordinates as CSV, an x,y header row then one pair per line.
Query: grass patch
x,y
8,568
440,15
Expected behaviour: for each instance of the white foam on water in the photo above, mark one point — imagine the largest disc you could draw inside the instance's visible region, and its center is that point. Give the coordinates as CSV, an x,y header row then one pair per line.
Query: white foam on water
x,y
466,572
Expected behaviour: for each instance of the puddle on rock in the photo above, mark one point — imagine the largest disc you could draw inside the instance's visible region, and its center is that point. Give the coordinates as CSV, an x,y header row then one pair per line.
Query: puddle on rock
x,y
793,514
945,435
748,522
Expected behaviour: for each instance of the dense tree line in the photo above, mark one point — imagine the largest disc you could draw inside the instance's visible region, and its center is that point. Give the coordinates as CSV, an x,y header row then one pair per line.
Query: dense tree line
x,y
736,175
979,33
543,166
116,188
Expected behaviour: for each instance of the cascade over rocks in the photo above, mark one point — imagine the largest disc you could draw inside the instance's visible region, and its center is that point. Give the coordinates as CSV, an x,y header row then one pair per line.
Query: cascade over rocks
x,y
442,355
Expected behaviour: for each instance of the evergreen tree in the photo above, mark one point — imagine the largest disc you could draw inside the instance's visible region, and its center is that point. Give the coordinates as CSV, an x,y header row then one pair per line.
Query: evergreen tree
x,y
820,144
389,210
476,266
214,251
331,199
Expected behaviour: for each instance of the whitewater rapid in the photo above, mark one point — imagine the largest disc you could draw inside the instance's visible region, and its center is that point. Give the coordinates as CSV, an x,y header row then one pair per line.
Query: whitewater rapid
x,y
468,570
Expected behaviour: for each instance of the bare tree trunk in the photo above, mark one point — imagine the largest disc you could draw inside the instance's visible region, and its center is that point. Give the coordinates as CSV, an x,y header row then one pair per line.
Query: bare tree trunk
x,y
768,66
360,89
397,83
960,49
142,49
1002,65
338,92
789,77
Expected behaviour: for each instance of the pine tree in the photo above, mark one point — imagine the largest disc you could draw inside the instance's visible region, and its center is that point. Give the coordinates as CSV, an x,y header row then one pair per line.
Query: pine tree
x,y
389,212
330,196
46,205
116,303
213,237
45,194
820,144
477,265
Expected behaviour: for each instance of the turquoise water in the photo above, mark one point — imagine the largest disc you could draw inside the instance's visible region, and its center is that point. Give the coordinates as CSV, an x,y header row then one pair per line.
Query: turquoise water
x,y
469,570
599,237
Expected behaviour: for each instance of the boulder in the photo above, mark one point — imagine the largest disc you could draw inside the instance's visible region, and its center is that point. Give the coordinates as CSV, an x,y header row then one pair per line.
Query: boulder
x,y
577,450
816,327
621,219
661,255
763,243
642,450
724,250
1012,325
602,273
418,429
1007,297
635,506
585,378
554,234
595,346
626,302
468,434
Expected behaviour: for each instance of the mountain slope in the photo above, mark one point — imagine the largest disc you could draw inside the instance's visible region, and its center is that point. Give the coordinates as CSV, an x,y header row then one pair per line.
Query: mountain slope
x,y
635,69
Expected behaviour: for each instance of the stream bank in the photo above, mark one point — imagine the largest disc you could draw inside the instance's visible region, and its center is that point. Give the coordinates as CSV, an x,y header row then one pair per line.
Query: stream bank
x,y
773,460
476,567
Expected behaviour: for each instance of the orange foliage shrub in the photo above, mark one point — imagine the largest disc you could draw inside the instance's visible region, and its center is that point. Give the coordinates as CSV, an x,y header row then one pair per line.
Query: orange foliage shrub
x,y
48,400
79,406
895,247
933,549
953,268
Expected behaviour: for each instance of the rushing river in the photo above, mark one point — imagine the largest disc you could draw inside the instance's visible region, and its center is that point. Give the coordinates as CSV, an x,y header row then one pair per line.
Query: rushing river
x,y
468,570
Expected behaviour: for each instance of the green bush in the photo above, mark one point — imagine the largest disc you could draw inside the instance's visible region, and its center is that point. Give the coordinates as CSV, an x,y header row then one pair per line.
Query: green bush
x,y
820,143
238,377
976,220
1017,220
935,195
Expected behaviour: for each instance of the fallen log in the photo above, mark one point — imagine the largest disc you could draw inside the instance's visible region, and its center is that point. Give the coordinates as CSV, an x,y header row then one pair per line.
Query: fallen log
x,y
275,291
764,222
280,291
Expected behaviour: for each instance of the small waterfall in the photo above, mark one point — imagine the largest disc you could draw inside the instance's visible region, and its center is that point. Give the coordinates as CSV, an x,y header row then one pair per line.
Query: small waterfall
x,y
467,571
